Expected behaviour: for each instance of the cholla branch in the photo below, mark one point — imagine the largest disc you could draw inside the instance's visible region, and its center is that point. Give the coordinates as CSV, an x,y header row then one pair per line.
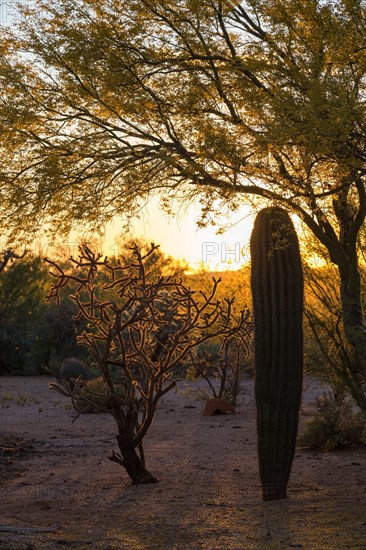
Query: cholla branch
x,y
221,369
140,328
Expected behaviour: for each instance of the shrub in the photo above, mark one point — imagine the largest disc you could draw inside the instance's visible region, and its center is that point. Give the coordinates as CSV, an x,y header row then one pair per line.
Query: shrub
x,y
22,296
335,424
221,365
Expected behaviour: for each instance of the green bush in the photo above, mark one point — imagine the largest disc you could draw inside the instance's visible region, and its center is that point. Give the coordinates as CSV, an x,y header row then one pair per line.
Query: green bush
x,y
335,425
22,297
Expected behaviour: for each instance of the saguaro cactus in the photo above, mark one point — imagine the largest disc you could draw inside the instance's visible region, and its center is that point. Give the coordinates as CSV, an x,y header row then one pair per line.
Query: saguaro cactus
x,y
277,290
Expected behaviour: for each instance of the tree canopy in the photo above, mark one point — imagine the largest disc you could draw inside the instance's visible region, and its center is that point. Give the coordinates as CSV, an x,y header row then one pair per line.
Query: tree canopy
x,y
106,102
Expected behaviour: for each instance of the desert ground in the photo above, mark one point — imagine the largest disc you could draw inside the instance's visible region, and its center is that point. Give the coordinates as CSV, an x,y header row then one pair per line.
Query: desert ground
x,y
55,474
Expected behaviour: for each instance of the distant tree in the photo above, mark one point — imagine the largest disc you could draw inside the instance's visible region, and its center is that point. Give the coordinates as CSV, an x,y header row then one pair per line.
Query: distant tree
x,y
137,339
22,289
22,302
328,353
158,262
34,336
57,335
9,255
105,103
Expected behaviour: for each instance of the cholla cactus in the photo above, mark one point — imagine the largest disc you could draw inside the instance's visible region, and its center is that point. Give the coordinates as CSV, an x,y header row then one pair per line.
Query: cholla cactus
x,y
142,327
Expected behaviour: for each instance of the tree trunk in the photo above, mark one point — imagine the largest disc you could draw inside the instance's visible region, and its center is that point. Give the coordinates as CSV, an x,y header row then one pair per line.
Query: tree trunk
x,y
353,321
355,331
131,455
133,463
350,278
350,219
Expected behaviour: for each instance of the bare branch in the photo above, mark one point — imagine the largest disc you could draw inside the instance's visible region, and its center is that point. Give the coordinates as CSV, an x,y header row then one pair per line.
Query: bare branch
x,y
143,327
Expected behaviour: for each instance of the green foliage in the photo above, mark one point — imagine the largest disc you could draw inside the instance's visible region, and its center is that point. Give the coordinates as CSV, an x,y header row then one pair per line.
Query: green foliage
x,y
35,336
206,356
58,329
269,92
22,289
335,424
22,303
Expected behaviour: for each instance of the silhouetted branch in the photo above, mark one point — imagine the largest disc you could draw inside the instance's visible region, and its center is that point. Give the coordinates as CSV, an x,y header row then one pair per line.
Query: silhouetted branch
x,y
140,329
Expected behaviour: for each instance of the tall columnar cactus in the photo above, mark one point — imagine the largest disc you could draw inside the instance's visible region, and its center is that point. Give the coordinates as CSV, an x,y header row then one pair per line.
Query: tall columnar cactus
x,y
277,290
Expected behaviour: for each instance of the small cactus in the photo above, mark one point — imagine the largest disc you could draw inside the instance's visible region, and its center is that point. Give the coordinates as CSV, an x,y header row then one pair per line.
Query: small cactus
x,y
277,290
72,368
94,396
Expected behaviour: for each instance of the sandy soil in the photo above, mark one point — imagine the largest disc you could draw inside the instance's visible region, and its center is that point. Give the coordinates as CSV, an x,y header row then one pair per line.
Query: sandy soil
x,y
208,496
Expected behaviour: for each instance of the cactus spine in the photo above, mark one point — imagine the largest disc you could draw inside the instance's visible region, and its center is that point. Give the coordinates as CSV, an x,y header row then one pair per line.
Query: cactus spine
x,y
277,291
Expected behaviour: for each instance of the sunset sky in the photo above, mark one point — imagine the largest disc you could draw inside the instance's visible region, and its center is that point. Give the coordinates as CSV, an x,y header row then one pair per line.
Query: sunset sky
x,y
180,237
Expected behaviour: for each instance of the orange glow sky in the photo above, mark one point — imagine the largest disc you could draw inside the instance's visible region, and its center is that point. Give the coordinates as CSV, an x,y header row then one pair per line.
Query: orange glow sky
x,y
177,236
180,237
